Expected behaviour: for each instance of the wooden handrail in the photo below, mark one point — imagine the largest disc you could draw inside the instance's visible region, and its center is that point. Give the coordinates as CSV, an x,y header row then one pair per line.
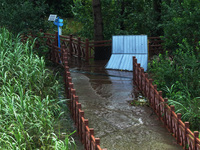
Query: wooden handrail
x,y
170,118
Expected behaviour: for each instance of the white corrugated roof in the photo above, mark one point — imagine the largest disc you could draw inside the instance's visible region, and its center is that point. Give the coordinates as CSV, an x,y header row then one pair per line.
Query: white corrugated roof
x,y
123,50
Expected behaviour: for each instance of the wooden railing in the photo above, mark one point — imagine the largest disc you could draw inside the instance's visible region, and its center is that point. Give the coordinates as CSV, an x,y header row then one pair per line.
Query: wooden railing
x,y
172,121
75,46
84,49
86,134
155,46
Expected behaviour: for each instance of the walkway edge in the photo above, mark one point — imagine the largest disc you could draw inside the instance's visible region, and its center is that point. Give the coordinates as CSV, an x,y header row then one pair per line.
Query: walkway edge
x,y
86,134
172,121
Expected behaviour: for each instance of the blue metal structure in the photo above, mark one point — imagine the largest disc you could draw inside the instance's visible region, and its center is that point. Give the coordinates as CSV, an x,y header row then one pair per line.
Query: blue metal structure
x,y
59,23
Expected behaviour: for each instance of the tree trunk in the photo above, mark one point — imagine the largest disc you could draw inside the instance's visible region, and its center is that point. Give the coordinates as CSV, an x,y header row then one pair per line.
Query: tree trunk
x,y
157,9
98,29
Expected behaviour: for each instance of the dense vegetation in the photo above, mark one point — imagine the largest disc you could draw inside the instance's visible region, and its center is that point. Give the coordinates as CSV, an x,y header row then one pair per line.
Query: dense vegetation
x,y
29,105
178,21
26,15
179,79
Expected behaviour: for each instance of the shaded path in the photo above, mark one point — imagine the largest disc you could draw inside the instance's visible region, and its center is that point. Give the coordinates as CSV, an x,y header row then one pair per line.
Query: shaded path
x,y
104,95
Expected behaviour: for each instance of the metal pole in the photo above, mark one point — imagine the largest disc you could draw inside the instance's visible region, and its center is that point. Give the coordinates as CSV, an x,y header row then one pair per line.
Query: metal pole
x,y
58,36
59,40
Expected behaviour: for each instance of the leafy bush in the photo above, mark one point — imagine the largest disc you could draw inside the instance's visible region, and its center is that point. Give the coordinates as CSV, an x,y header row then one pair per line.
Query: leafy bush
x,y
180,20
23,15
179,78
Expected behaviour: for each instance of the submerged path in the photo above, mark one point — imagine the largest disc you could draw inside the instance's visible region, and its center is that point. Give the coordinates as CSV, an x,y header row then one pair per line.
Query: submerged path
x,y
104,95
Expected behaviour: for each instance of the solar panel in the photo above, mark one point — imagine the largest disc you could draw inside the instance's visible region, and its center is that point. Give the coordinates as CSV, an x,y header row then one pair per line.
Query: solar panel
x,y
52,17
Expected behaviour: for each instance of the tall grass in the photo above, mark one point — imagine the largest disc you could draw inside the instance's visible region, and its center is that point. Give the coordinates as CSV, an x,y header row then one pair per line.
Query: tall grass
x,y
29,104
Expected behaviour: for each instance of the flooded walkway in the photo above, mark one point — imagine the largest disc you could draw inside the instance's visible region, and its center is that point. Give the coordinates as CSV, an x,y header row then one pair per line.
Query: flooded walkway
x,y
104,95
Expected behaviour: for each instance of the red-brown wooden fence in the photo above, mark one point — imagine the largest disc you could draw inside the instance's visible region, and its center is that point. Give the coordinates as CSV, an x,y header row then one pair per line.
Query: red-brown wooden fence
x,y
74,46
84,49
172,121
86,134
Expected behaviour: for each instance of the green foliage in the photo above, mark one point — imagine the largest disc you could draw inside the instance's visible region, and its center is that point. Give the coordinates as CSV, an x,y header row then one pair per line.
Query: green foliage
x,y
179,78
181,21
23,15
60,7
119,17
163,70
29,104
71,27
82,12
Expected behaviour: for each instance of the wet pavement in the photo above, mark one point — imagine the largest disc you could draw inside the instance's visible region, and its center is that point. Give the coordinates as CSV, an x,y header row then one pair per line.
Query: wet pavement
x,y
105,96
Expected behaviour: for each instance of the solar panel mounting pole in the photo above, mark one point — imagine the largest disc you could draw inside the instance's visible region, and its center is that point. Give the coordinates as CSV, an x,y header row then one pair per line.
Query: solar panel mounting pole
x,y
59,23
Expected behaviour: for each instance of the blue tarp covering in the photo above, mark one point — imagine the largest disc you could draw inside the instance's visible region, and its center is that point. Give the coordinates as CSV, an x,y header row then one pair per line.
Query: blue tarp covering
x,y
123,50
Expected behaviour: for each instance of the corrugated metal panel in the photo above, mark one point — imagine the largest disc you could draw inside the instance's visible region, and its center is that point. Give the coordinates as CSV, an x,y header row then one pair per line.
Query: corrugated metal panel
x,y
124,48
117,44
129,44
113,64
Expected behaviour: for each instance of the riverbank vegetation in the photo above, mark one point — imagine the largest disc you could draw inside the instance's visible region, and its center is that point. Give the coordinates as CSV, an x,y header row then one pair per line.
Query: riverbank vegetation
x,y
29,105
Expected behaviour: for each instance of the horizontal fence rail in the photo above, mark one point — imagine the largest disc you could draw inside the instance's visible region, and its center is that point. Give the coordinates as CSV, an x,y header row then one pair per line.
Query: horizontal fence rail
x,y
155,45
85,49
75,46
86,134
172,121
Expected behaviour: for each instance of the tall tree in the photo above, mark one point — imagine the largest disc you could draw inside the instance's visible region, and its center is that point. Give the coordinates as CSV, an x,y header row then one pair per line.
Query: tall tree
x,y
98,21
157,9
98,28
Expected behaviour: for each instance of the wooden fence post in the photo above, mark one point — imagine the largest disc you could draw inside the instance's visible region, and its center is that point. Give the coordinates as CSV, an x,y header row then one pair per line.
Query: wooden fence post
x,y
91,133
76,116
153,100
70,45
185,134
87,50
149,94
159,103
196,135
142,80
177,132
97,142
165,111
79,47
84,135
146,77
75,110
172,110
138,76
81,114
68,81
134,69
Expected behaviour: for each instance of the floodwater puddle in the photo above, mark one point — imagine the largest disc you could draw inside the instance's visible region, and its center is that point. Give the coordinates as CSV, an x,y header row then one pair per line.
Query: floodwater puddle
x,y
104,97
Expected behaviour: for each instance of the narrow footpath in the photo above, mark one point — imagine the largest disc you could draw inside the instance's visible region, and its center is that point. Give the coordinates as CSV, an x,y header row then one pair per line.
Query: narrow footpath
x,y
105,96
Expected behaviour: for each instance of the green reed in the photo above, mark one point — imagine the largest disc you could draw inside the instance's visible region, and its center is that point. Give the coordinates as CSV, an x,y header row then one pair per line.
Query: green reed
x,y
29,104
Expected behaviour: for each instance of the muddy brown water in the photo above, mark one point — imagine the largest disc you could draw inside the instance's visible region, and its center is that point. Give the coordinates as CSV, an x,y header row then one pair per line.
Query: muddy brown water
x,y
104,96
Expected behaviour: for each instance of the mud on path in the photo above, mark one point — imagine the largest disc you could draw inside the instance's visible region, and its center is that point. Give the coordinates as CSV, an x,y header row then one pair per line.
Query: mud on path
x,y
104,96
